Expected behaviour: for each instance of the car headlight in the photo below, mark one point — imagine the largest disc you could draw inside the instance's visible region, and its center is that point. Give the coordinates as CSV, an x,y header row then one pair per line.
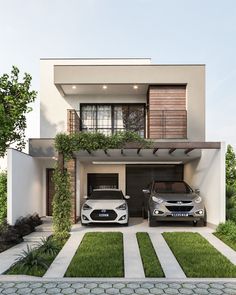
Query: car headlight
x,y
198,200
86,207
157,200
122,207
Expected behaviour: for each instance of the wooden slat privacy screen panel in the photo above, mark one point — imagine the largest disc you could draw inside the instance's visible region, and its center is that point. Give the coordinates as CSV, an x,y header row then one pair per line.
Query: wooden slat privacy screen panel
x,y
167,115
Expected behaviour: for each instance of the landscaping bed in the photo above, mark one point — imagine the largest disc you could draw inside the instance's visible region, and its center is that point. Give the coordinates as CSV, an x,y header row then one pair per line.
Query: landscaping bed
x,y
226,232
35,262
12,235
151,264
99,255
197,257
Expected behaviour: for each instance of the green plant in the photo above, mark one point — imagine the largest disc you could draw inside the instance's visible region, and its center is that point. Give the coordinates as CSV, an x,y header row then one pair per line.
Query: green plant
x,y
61,204
69,143
15,97
231,202
230,166
29,259
49,246
3,196
228,230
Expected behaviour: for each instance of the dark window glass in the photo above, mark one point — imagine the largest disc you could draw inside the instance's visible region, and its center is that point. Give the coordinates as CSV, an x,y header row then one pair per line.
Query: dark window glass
x,y
107,195
110,119
171,187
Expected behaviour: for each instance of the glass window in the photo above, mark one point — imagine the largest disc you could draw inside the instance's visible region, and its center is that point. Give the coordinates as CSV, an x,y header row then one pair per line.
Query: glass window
x,y
113,118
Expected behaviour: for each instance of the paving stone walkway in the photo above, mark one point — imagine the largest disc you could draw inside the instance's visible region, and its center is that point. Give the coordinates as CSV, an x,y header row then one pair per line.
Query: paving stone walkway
x,y
67,287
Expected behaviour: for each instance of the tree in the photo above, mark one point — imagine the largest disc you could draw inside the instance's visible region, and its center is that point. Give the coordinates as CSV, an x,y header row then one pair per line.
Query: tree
x,y
3,196
230,166
15,97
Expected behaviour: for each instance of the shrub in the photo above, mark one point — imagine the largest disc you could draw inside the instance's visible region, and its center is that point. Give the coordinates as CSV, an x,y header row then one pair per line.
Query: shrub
x,y
9,234
3,196
228,230
49,246
61,204
29,259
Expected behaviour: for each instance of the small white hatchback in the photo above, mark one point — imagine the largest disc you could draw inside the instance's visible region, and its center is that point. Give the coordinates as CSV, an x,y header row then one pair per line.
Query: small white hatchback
x,y
105,206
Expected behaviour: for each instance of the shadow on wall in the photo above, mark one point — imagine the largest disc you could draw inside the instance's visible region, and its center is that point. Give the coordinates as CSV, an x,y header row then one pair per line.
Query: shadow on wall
x,y
47,128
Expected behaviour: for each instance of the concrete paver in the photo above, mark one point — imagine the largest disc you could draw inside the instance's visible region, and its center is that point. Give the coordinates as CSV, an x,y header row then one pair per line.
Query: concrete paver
x,y
132,259
125,287
221,247
170,265
60,264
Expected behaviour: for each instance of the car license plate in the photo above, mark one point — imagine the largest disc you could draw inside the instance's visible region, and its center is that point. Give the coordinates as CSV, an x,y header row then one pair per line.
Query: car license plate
x,y
179,214
103,215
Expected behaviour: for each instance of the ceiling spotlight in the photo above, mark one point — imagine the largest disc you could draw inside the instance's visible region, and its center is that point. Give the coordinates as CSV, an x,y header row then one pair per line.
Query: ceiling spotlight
x,y
104,86
135,86
73,87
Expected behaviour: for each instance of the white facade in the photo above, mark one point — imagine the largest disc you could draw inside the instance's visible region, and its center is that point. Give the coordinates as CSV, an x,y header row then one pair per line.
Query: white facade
x,y
203,169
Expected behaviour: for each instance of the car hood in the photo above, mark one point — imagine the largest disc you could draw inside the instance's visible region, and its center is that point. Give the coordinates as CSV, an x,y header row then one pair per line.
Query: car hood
x,y
177,197
104,204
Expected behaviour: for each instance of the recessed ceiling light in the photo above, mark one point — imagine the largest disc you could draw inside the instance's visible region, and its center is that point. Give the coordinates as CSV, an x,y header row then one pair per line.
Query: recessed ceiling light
x,y
135,86
73,87
104,86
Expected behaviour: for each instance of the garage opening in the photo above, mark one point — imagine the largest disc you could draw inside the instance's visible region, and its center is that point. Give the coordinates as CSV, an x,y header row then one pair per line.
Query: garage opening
x,y
139,177
102,181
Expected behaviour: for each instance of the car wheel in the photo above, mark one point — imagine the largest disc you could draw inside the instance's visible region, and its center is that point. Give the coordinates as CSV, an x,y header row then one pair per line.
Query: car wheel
x,y
151,221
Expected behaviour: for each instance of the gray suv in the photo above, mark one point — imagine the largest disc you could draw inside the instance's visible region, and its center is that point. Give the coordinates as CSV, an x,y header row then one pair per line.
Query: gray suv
x,y
173,201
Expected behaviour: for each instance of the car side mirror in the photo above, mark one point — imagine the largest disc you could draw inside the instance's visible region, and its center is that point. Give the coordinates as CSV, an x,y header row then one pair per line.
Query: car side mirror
x,y
197,191
85,197
127,197
146,191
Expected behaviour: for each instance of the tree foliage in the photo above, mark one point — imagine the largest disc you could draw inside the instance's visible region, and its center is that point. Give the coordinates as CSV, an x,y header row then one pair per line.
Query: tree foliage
x,y
15,97
3,196
230,166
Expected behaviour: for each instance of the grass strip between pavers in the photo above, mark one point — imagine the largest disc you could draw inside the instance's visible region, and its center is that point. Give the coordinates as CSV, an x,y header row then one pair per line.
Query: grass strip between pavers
x,y
225,239
100,254
197,257
19,269
151,264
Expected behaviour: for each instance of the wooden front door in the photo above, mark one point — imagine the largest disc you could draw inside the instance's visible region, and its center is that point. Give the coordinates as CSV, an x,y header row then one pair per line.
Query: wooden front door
x,y
50,191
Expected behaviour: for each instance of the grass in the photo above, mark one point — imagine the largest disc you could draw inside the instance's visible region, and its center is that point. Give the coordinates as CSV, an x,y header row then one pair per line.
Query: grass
x,y
99,255
197,257
226,240
226,232
151,264
36,262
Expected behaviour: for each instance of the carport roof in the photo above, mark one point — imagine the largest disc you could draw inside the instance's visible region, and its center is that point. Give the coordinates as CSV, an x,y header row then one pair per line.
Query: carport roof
x,y
132,152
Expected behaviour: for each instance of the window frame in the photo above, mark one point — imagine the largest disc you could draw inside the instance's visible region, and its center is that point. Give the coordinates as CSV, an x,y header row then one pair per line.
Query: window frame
x,y
112,105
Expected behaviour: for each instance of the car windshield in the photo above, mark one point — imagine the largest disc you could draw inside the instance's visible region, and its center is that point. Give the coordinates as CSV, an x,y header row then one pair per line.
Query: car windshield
x,y
107,195
177,187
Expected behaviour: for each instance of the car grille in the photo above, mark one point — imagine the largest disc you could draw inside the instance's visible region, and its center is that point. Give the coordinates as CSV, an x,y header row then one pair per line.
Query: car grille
x,y
103,215
177,202
179,208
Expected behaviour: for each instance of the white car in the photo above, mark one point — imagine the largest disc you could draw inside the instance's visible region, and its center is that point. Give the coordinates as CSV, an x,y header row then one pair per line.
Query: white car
x,y
105,206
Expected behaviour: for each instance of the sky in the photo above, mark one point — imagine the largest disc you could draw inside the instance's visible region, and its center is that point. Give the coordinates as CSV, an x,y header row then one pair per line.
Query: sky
x,y
168,31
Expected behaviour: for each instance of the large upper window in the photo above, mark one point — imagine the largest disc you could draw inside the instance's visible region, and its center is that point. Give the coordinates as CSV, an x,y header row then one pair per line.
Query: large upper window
x,y
111,118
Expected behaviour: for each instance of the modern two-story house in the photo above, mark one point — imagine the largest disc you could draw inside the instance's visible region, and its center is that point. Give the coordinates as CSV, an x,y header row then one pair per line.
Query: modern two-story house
x,y
165,103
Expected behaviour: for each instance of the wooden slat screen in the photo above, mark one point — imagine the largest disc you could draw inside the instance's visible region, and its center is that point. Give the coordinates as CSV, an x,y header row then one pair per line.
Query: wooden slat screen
x,y
167,115
73,121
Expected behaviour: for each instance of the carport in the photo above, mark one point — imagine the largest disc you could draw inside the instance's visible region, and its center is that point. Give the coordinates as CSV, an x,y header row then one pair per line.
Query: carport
x,y
200,164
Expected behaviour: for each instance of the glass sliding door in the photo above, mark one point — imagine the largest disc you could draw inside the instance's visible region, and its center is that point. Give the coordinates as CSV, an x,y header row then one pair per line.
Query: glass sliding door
x,y
104,122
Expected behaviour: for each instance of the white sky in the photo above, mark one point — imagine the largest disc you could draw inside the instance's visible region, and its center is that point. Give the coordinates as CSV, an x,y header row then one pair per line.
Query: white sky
x,y
170,31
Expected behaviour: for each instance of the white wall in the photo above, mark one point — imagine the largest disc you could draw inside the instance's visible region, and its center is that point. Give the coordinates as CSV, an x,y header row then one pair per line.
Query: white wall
x,y
24,185
208,174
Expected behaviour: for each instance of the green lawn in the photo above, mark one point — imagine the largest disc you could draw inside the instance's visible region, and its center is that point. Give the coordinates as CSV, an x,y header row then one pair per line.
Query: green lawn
x,y
151,264
197,257
226,240
99,255
21,268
